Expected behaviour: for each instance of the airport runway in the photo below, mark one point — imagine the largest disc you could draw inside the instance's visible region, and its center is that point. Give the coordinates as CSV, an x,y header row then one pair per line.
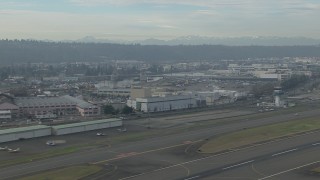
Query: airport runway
x,y
163,152
293,164
276,159
268,166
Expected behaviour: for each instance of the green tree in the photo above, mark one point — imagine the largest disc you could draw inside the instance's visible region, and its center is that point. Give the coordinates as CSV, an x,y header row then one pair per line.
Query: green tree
x,y
294,81
108,109
127,110
19,92
262,89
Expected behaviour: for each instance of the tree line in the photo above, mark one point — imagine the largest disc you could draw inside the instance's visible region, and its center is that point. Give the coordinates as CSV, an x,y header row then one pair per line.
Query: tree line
x,y
23,51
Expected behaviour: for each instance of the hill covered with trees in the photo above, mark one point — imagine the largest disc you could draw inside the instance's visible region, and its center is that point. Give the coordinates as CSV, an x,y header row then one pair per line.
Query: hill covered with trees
x,y
23,51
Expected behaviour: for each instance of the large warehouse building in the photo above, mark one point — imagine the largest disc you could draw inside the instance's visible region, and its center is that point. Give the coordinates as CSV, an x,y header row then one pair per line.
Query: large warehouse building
x,y
24,133
166,103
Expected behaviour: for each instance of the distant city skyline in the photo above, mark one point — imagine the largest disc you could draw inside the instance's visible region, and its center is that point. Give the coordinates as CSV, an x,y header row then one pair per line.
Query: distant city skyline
x,y
160,19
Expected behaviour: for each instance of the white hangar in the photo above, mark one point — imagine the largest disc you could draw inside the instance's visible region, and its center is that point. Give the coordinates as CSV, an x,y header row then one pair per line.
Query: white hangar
x,y
86,126
14,134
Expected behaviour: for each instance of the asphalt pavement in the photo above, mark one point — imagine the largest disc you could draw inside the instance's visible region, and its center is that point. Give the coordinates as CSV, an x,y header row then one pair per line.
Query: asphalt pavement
x,y
261,162
166,155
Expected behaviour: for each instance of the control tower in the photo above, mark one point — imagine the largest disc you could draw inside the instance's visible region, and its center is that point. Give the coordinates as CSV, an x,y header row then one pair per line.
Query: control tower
x,y
277,92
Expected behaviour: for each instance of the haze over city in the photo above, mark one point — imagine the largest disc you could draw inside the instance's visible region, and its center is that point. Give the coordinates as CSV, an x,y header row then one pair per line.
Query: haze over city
x,y
162,19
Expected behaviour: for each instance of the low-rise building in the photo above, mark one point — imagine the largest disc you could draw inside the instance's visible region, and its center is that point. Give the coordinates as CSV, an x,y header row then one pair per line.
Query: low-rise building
x,y
8,107
5,115
113,92
60,106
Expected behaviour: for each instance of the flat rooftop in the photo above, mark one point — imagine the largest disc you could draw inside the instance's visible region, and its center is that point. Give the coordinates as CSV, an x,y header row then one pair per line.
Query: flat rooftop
x,y
42,101
23,129
50,101
86,123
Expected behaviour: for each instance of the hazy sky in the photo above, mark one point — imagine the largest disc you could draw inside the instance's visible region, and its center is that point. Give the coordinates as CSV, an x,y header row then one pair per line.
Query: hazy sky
x,y
163,19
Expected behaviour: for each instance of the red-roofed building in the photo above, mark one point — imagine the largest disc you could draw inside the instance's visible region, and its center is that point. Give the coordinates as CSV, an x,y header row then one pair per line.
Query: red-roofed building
x,y
14,110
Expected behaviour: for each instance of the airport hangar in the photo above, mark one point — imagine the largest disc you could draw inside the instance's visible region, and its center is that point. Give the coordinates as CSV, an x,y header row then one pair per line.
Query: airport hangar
x,y
85,126
29,132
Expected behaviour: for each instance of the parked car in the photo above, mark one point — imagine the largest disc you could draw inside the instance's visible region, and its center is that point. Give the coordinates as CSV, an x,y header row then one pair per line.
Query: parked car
x,y
122,130
100,134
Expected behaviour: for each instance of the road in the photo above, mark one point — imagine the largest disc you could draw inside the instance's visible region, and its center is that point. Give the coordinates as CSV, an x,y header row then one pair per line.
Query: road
x,y
148,155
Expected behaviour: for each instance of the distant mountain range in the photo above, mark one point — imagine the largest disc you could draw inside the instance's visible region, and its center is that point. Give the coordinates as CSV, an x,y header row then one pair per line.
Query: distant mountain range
x,y
203,40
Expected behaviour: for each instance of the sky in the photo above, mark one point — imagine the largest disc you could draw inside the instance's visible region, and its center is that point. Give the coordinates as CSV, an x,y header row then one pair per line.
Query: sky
x,y
160,19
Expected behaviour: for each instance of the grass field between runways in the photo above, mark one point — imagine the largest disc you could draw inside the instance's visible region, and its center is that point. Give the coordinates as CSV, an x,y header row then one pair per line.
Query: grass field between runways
x,y
259,134
36,157
316,170
68,173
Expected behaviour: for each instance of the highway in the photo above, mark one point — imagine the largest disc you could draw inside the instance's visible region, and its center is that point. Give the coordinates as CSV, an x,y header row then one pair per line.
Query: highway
x,y
167,154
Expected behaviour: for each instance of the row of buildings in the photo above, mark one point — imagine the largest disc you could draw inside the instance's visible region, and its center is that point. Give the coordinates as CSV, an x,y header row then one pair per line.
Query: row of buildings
x,y
45,107
29,132
268,71
141,99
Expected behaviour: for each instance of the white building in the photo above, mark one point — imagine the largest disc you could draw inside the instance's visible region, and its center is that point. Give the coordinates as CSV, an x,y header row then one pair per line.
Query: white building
x,y
86,126
4,115
166,103
273,74
213,97
14,134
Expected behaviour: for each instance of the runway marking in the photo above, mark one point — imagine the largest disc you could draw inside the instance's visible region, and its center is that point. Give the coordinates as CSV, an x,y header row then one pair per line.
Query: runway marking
x,y
187,169
186,150
236,165
256,171
194,177
282,172
184,167
230,177
123,155
102,175
175,165
187,142
273,141
315,144
144,152
284,152
200,159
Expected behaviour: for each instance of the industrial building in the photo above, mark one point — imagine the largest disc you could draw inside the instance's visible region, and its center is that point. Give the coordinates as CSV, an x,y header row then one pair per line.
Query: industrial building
x,y
24,133
86,126
166,103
